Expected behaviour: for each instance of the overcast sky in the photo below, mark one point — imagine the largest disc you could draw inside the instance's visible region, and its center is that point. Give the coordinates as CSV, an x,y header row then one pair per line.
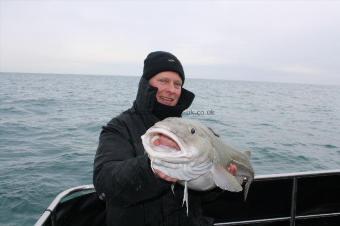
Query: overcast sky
x,y
281,41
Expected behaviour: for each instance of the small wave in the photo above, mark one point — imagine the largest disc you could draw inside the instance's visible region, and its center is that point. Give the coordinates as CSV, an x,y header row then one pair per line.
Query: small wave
x,y
329,146
292,144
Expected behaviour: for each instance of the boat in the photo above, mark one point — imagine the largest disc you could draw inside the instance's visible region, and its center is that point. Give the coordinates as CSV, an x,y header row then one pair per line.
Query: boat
x,y
294,199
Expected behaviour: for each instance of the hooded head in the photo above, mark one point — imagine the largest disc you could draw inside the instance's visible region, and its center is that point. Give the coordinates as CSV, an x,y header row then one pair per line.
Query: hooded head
x,y
146,101
160,61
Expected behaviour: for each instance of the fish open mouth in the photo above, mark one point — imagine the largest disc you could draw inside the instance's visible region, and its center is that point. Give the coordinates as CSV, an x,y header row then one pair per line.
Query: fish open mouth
x,y
164,140
177,152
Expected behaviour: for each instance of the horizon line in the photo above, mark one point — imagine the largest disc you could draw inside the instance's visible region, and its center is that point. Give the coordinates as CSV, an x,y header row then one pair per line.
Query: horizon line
x,y
187,77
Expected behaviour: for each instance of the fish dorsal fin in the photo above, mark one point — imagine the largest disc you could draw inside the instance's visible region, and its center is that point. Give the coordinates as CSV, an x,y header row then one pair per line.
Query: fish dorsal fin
x,y
224,180
213,132
248,153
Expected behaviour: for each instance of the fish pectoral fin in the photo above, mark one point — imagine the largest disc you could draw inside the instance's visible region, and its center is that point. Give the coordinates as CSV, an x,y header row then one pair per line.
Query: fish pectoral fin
x,y
224,180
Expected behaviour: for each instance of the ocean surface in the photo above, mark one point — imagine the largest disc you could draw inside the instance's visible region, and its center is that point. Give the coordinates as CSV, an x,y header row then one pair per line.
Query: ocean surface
x,y
49,128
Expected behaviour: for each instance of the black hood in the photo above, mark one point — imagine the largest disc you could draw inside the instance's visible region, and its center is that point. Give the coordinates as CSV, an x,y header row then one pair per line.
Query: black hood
x,y
146,102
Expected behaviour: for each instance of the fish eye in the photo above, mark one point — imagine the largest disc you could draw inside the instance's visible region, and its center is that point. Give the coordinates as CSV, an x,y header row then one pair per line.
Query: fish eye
x,y
193,130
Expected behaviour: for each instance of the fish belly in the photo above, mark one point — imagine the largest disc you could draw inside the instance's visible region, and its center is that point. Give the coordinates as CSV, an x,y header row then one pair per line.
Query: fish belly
x,y
202,183
183,171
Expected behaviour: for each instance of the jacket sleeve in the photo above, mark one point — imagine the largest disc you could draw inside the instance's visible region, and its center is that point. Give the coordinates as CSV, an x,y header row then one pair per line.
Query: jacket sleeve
x,y
119,173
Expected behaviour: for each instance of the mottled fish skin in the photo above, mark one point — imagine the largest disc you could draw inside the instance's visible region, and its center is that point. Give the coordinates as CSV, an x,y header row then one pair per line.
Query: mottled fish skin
x,y
203,159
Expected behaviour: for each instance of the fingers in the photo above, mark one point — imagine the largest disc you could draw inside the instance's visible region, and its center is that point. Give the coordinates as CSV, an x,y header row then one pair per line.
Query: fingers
x,y
232,169
163,176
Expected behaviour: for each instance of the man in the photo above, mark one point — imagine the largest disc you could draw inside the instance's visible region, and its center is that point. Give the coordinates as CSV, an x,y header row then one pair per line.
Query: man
x,y
134,193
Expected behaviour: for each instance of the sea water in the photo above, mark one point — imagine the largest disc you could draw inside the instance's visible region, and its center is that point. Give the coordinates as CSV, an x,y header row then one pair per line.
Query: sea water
x,y
49,128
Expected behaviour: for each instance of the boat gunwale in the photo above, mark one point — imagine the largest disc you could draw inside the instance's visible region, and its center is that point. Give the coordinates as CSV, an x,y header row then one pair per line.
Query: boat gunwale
x,y
56,201
303,174
295,175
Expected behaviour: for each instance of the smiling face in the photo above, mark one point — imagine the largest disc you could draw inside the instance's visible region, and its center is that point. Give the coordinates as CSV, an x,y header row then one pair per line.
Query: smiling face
x,y
169,85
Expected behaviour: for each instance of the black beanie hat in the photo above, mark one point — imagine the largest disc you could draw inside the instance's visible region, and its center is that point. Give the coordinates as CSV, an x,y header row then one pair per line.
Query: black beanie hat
x,y
160,61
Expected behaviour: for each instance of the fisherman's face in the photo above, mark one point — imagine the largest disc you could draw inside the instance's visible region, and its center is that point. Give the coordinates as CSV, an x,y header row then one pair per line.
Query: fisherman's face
x,y
169,86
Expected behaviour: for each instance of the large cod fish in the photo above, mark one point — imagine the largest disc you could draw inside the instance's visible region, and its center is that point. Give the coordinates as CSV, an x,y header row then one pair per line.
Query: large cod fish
x,y
202,160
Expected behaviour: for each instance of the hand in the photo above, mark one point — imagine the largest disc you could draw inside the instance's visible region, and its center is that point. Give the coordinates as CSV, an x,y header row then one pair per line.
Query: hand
x,y
232,168
164,140
163,176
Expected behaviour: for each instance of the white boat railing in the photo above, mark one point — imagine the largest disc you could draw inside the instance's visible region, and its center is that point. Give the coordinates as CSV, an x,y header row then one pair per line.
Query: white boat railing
x,y
47,213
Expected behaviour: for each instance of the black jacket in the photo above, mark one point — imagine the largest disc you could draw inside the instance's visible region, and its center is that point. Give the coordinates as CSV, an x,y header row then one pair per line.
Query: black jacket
x,y
123,177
